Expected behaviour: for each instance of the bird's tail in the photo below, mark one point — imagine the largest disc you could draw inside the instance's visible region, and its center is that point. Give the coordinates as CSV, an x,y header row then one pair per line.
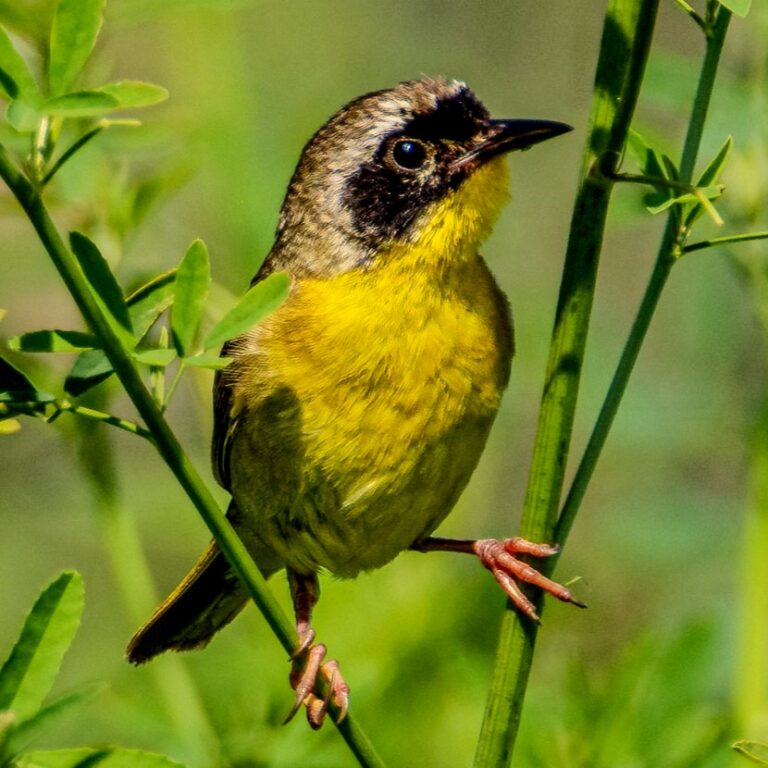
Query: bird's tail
x,y
207,599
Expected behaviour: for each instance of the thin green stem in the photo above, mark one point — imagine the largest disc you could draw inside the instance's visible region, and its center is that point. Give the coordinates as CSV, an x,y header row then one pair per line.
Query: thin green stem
x,y
164,439
174,383
691,11
77,145
624,51
725,240
114,421
700,193
654,181
669,252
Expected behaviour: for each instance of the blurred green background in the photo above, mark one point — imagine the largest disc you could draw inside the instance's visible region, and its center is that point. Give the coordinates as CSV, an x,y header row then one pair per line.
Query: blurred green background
x,y
657,671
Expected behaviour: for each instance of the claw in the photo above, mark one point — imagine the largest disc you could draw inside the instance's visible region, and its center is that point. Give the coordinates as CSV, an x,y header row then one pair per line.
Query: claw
x,y
515,594
499,557
338,690
303,678
317,709
305,641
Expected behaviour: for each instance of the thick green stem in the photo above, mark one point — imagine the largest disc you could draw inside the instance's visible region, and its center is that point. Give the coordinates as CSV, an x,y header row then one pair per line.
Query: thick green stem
x,y
164,439
561,388
624,50
669,252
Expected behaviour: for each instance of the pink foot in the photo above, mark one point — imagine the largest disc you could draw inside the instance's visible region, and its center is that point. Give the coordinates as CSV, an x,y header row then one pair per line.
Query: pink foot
x,y
499,557
308,667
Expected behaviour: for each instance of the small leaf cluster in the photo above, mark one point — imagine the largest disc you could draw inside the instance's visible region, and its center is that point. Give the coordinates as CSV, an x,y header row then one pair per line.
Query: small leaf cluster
x,y
686,202
26,678
39,104
134,319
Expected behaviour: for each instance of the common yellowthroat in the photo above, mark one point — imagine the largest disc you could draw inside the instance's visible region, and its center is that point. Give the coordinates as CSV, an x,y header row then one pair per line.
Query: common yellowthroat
x,y
351,419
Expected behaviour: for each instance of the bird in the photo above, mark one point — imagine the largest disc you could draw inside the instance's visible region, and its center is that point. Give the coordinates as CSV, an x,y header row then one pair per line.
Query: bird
x,y
349,421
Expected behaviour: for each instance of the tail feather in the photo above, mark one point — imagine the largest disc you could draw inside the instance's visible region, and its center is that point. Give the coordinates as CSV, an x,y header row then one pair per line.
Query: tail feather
x,y
207,599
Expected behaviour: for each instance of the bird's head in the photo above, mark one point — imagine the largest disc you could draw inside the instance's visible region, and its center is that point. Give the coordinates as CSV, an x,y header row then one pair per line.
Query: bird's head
x,y
419,164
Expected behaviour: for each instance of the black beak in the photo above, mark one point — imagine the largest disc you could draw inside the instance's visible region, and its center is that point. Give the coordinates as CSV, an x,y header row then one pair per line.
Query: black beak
x,y
508,135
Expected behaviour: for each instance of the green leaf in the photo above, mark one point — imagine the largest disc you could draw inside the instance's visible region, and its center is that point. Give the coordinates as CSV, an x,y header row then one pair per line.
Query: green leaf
x,y
650,161
157,358
739,7
715,167
97,101
261,300
76,25
90,369
100,277
711,193
52,341
147,303
709,175
29,672
214,362
134,93
755,751
111,757
15,68
193,281
80,104
655,165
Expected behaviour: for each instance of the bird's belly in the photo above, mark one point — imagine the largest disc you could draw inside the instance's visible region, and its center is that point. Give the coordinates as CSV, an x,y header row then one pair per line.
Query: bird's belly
x,y
361,492
370,417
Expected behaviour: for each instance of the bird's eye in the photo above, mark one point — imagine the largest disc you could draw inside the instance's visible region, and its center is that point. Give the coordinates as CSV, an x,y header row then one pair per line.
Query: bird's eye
x,y
409,154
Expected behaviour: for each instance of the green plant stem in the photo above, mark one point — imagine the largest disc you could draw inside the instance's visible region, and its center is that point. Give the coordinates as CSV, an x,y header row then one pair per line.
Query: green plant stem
x,y
164,439
668,254
624,51
688,8
107,418
168,394
70,152
725,240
